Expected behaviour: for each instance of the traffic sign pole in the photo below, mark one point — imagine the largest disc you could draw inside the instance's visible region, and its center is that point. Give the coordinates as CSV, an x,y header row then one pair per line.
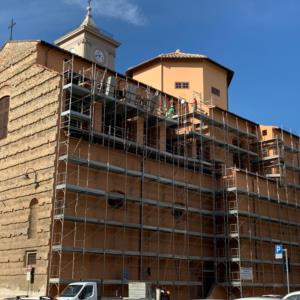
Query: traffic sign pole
x,y
279,250
287,270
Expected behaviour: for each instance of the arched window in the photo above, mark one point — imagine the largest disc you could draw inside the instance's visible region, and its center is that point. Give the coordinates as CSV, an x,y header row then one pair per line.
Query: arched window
x,y
4,108
33,218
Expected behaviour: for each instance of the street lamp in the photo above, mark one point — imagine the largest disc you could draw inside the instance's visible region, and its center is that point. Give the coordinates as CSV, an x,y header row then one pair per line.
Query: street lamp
x,y
26,176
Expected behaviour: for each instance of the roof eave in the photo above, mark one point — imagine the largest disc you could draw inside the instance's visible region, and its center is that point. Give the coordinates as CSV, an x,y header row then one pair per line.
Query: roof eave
x,y
157,59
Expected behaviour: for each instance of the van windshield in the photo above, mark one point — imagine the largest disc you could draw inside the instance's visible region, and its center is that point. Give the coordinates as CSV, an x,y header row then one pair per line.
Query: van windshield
x,y
71,290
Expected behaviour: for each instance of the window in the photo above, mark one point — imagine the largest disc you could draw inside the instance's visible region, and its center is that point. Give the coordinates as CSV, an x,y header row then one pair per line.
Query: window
x,y
215,91
4,108
30,258
293,297
178,211
182,85
116,199
185,85
264,132
71,290
86,292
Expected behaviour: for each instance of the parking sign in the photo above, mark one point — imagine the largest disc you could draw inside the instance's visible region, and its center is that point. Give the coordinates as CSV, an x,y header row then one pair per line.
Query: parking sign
x,y
278,251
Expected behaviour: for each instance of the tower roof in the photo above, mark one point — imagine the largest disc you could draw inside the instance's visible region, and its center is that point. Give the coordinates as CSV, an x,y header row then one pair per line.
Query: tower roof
x,y
87,25
88,20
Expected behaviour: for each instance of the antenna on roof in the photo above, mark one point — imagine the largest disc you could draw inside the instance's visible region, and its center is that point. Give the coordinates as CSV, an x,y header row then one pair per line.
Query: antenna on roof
x,y
11,27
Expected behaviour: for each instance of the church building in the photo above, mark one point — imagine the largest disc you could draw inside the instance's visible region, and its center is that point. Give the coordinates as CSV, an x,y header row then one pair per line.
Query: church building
x,y
141,177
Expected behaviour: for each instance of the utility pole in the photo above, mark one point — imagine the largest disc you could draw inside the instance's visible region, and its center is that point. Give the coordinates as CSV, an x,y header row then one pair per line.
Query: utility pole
x,y
11,27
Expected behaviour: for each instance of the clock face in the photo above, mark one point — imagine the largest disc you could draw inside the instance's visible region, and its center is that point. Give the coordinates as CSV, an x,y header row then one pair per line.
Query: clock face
x,y
99,56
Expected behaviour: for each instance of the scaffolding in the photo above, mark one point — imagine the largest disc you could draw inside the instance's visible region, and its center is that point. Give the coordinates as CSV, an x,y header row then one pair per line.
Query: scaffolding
x,y
260,215
129,197
149,188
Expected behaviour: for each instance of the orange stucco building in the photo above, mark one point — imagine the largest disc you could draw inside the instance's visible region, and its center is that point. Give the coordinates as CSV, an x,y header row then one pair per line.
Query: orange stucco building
x,y
187,76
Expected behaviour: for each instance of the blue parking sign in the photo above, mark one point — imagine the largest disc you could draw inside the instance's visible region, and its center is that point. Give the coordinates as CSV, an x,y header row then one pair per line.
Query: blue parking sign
x,y
278,251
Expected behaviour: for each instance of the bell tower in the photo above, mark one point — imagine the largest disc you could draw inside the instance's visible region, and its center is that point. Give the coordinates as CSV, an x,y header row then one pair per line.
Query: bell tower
x,y
90,42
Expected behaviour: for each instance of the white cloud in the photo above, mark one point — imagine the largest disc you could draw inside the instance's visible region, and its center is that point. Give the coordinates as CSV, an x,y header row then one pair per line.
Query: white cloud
x,y
125,10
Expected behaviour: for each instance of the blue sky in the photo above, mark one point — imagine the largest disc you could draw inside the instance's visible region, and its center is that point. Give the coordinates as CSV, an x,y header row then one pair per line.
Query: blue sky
x,y
258,39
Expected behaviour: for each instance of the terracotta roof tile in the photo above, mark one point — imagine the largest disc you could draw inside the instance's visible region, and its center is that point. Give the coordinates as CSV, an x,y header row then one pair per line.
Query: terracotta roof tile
x,y
179,54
